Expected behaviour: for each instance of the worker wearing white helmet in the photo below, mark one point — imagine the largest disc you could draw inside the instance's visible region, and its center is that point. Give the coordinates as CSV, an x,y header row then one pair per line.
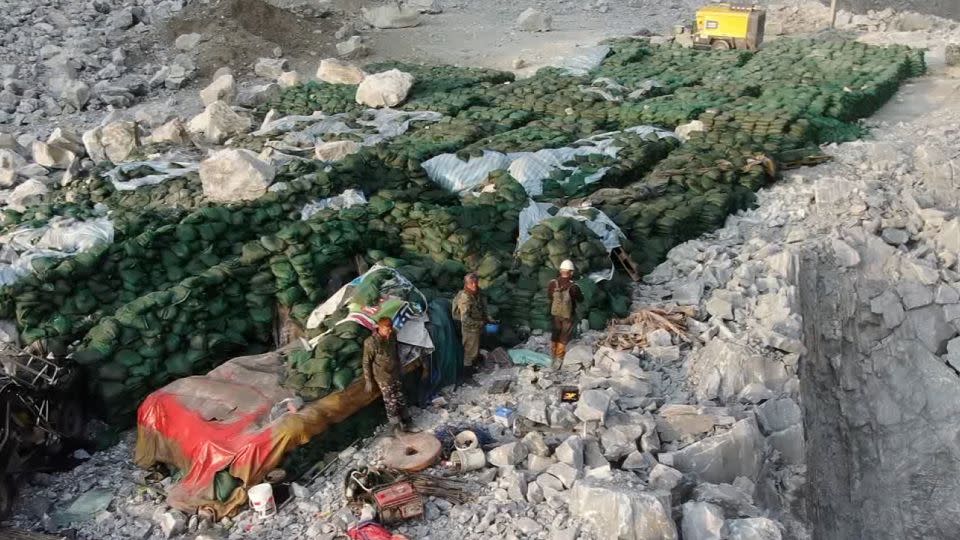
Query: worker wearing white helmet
x,y
564,295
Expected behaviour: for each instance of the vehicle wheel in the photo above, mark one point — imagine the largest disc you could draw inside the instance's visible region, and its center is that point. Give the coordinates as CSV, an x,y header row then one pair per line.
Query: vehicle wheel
x,y
720,45
6,497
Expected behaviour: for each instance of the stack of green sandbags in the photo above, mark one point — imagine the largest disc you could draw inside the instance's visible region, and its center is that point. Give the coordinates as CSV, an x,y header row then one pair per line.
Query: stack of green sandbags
x,y
637,154
551,242
174,332
557,239
494,212
313,96
632,62
334,363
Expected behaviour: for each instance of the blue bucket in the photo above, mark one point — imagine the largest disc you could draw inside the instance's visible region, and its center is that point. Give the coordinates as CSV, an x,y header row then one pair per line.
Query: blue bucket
x,y
492,328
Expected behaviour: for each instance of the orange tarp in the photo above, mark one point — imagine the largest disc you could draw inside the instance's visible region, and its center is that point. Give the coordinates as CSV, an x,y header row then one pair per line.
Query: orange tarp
x,y
204,424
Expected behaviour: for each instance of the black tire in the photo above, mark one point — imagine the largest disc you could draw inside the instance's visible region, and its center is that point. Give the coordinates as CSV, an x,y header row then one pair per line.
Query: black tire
x,y
721,45
6,497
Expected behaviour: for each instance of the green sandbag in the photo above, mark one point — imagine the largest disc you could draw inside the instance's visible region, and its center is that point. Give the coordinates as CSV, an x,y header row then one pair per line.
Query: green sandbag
x,y
342,378
128,357
597,320
112,371
253,252
297,357
319,380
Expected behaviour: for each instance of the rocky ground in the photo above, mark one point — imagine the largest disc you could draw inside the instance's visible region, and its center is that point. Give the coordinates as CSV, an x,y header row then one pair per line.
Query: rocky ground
x,y
815,397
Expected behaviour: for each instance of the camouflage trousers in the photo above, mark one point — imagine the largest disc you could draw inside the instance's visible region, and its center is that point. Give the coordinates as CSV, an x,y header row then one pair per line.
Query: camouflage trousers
x,y
471,346
393,401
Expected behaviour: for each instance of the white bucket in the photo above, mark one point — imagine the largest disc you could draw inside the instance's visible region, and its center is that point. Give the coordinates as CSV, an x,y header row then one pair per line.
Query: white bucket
x,y
466,440
469,459
261,500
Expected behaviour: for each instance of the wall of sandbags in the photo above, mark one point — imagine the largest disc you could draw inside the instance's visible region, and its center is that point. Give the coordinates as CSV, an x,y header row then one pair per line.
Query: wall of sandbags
x,y
188,283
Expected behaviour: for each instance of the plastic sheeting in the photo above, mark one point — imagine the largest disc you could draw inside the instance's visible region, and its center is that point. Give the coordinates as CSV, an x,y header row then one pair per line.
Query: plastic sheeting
x,y
529,168
588,59
221,421
165,170
350,197
397,287
60,238
374,126
595,220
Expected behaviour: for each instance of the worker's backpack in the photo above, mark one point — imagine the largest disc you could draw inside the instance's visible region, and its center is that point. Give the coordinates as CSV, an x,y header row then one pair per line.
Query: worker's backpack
x,y
561,304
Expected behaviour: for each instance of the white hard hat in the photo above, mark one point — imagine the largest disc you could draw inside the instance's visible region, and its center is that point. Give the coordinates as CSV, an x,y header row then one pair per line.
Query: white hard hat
x,y
567,265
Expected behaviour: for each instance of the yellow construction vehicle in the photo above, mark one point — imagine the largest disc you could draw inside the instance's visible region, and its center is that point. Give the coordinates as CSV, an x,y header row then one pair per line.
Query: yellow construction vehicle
x,y
723,27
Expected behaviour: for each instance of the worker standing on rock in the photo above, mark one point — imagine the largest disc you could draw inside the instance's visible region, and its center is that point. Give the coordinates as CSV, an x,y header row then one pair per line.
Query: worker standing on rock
x,y
381,363
470,308
564,295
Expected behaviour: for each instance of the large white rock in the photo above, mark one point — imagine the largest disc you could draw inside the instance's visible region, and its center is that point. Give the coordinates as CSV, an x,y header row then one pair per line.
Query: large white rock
x,y
75,93
778,414
173,132
507,454
28,193
288,79
334,71
677,422
722,369
235,175
52,156
218,122
722,458
354,47
621,512
425,6
386,89
752,529
949,236
533,20
701,521
223,88
619,441
391,16
335,150
592,406
270,68
113,142
256,95
570,452
187,42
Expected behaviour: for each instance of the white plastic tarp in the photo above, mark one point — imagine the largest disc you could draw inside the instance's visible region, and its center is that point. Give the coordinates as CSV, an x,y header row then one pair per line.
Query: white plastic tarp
x,y
586,60
61,237
165,170
375,126
529,168
606,230
350,197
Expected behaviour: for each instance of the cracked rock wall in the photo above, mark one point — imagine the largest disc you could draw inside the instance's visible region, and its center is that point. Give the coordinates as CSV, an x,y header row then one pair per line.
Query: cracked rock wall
x,y
881,418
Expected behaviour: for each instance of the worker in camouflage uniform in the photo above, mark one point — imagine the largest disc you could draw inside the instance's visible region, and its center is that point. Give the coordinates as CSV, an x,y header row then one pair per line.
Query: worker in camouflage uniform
x,y
381,363
470,308
564,295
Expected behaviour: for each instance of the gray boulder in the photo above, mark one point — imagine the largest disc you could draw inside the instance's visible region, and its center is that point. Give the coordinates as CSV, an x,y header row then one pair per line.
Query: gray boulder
x,y
752,529
722,458
621,512
701,521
